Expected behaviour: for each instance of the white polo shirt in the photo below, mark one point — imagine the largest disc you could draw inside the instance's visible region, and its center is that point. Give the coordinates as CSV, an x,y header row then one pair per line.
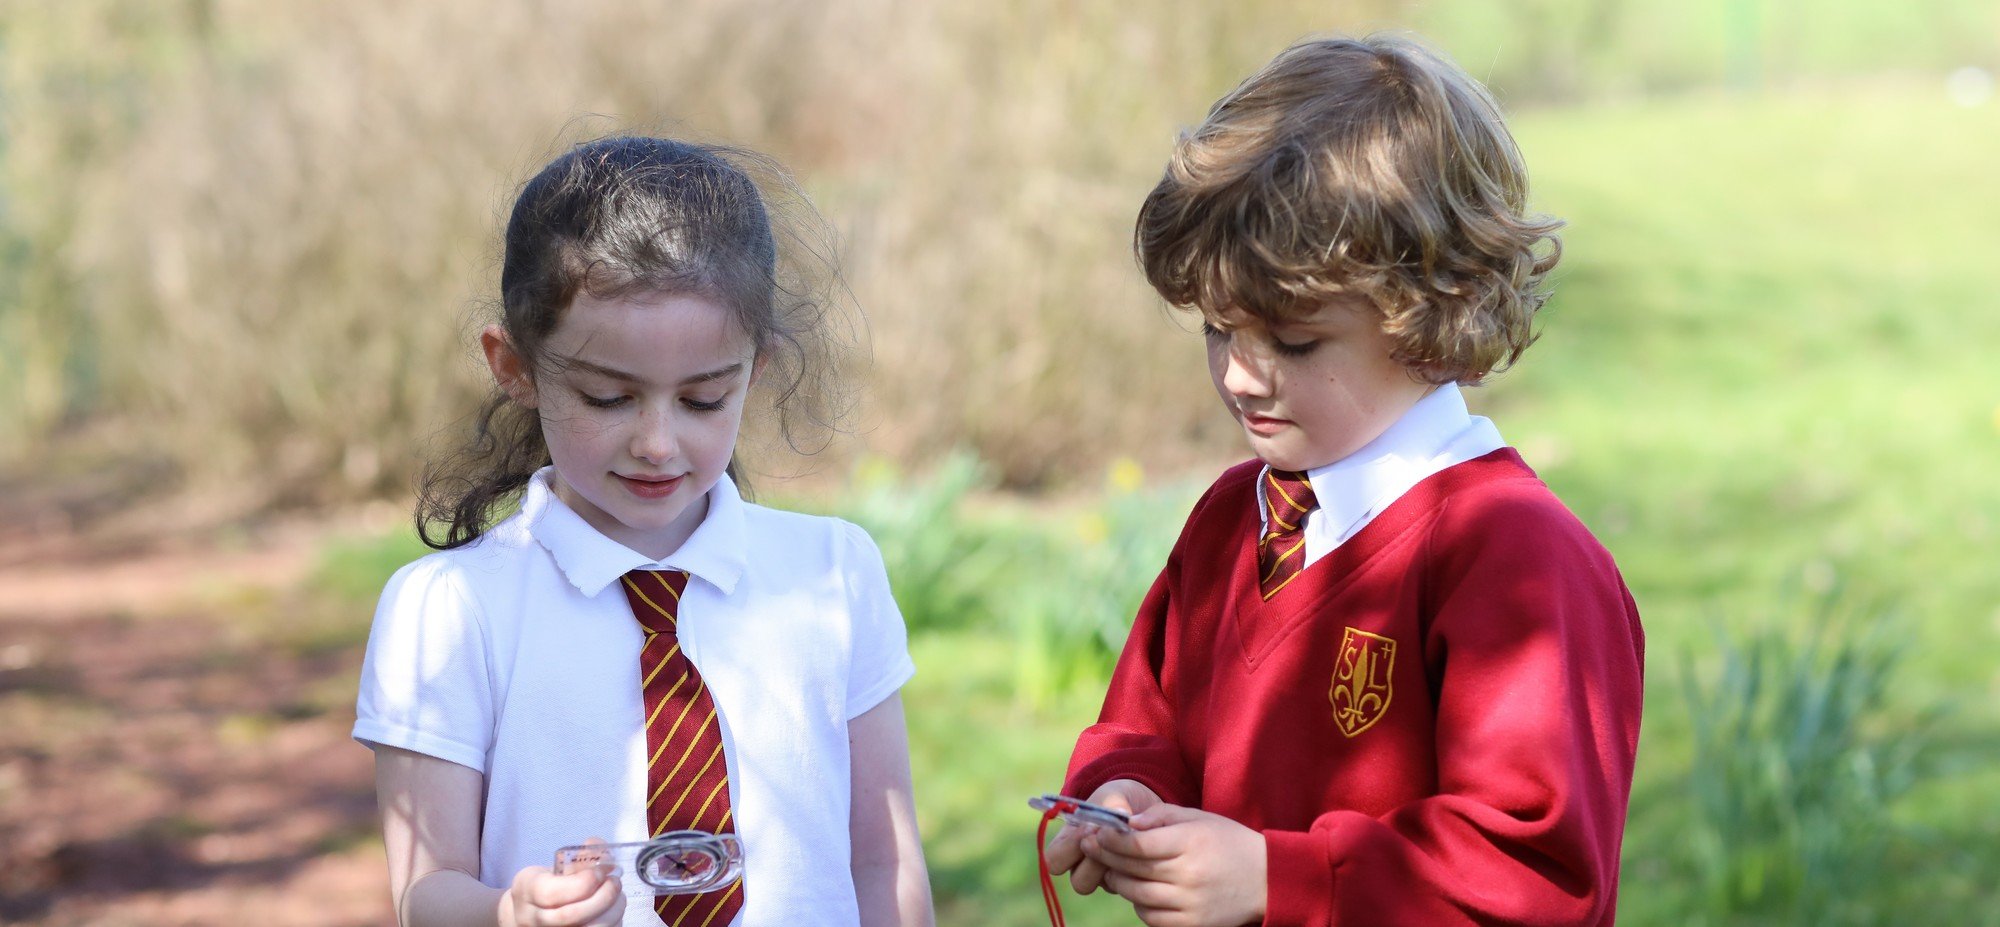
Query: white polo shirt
x,y
1436,433
518,656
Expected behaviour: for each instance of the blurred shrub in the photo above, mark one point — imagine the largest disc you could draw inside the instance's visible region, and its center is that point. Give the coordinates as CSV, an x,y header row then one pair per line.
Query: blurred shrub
x,y
942,566
1798,762
252,236
1063,586
1075,609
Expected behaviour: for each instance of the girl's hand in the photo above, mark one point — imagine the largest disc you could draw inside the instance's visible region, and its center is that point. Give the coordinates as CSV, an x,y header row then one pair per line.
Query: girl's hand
x,y
1065,853
1181,867
585,898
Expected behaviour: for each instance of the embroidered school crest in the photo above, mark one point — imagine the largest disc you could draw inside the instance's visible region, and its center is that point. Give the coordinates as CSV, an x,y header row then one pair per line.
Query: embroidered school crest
x,y
1361,680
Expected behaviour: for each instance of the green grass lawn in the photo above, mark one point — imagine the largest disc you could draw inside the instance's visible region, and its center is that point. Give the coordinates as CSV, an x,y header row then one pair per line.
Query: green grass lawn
x,y
1766,380
1768,371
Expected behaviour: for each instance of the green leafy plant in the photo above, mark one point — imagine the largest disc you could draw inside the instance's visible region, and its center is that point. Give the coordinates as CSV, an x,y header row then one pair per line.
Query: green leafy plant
x,y
1071,625
942,563
1798,760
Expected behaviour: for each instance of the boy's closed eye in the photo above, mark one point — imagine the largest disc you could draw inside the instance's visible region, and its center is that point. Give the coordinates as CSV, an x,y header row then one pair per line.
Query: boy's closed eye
x,y
1294,348
1299,348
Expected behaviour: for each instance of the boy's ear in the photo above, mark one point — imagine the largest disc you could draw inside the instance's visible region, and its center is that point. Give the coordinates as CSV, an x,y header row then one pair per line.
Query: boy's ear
x,y
509,370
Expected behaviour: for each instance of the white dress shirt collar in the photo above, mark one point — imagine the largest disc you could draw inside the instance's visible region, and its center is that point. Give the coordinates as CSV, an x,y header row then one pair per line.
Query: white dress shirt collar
x,y
1435,433
715,552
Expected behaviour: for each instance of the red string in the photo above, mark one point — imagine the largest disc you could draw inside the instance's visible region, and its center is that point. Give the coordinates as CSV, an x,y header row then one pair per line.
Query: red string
x,y
1042,854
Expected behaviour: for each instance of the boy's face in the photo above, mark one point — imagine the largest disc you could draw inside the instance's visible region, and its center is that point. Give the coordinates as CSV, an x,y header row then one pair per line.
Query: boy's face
x,y
1310,391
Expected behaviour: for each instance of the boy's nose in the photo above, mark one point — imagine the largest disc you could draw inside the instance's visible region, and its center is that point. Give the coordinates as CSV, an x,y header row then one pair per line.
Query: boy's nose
x,y
1245,375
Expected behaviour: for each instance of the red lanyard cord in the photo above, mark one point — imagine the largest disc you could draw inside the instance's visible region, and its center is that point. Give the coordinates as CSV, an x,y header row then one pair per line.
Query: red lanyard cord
x,y
1042,853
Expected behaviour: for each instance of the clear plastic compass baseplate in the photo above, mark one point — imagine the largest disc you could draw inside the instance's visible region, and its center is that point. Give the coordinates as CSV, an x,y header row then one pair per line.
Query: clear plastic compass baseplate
x,y
681,862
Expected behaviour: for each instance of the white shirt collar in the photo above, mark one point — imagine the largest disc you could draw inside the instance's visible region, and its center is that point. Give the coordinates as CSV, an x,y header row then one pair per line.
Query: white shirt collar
x,y
1434,433
716,553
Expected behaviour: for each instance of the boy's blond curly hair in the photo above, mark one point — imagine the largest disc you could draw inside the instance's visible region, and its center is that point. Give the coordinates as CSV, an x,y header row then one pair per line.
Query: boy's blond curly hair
x,y
1358,167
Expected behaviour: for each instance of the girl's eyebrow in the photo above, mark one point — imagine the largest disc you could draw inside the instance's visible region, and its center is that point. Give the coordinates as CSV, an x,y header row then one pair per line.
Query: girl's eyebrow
x,y
720,373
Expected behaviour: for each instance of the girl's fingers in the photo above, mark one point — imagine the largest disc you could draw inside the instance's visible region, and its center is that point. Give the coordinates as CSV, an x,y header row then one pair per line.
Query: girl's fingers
x,y
590,910
549,891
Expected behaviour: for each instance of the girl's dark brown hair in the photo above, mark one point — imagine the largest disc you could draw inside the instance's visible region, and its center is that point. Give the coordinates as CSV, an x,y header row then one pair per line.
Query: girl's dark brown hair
x,y
1368,168
630,215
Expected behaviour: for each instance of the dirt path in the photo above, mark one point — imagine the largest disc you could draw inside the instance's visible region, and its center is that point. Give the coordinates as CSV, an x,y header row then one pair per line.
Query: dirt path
x,y
163,762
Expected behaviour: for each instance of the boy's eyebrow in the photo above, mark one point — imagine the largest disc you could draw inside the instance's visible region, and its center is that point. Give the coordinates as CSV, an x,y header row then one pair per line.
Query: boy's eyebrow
x,y
720,373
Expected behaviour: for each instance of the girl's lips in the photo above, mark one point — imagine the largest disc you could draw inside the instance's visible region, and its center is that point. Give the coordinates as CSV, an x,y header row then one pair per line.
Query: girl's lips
x,y
650,489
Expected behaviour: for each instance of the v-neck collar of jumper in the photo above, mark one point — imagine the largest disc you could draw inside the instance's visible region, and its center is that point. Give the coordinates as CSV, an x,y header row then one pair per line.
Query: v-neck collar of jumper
x,y
715,553
1258,623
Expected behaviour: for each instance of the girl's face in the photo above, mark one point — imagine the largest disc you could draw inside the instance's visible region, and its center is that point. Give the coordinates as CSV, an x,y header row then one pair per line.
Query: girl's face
x,y
640,399
1312,391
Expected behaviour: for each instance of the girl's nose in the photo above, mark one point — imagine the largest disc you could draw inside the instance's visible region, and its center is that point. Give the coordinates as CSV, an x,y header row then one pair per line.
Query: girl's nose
x,y
653,441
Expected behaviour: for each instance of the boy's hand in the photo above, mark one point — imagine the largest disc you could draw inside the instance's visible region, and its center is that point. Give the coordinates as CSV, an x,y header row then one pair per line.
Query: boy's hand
x,y
1184,868
590,897
1066,853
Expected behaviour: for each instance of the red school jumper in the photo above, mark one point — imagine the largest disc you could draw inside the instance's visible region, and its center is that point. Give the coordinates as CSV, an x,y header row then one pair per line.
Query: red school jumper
x,y
1432,724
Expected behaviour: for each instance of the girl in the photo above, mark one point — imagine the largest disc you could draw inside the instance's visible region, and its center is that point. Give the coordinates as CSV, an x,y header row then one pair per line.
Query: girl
x,y
638,649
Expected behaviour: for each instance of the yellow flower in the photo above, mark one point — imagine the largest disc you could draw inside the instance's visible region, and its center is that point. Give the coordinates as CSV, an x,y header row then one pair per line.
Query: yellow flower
x,y
1093,529
875,471
1127,476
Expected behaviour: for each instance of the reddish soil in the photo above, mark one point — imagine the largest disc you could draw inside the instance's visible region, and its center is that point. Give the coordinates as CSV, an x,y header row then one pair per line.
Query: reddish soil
x,y
163,759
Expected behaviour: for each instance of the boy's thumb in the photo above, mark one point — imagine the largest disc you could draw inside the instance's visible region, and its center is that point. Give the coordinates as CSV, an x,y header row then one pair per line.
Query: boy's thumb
x,y
1161,815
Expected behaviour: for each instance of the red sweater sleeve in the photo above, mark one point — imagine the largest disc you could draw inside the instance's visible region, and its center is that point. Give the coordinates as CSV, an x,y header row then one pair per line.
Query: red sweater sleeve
x,y
1134,737
1537,725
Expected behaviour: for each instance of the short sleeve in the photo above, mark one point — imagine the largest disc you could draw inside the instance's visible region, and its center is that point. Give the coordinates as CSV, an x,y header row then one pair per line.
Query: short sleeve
x,y
425,681
880,661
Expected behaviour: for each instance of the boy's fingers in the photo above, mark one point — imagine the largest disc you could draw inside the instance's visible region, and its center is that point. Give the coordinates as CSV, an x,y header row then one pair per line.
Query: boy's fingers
x,y
1138,844
1124,864
1063,854
1087,876
1163,814
1143,893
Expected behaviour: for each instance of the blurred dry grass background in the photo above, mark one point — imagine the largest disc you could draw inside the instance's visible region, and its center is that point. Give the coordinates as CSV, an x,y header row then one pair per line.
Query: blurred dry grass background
x,y
248,242
254,239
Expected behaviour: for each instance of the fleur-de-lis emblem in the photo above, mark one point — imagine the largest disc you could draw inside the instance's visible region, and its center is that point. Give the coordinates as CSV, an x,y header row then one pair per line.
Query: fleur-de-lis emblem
x,y
1361,688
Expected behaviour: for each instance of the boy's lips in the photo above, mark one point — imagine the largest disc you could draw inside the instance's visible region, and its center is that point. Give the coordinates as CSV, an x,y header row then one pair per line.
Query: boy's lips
x,y
1264,425
650,487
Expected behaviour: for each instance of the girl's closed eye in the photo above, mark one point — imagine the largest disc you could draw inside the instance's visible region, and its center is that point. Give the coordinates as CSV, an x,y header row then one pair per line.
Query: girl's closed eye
x,y
603,402
706,405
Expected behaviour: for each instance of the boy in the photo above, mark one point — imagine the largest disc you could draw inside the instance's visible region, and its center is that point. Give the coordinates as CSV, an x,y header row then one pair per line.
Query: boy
x,y
1386,677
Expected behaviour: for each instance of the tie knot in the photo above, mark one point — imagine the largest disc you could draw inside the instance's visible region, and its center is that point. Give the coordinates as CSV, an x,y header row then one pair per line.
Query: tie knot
x,y
655,596
1289,496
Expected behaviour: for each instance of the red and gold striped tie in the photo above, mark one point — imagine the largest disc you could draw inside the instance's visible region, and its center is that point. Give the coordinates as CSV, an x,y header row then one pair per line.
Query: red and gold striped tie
x,y
687,779
1281,552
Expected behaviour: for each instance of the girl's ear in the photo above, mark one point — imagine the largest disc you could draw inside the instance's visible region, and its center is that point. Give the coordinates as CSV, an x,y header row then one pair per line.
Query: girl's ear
x,y
757,367
509,370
